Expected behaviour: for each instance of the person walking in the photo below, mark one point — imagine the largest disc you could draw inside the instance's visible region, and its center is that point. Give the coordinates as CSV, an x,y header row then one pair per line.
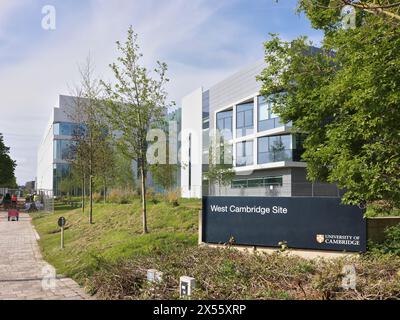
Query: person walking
x,y
14,201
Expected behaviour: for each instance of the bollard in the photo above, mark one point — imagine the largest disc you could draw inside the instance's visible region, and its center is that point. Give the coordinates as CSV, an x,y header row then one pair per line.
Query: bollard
x,y
61,223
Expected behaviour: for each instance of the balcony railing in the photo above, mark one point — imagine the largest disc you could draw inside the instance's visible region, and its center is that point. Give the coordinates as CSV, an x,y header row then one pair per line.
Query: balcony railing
x,y
281,155
272,124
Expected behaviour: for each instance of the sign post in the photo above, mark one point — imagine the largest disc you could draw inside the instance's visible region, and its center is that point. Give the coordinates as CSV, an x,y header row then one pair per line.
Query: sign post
x,y
61,224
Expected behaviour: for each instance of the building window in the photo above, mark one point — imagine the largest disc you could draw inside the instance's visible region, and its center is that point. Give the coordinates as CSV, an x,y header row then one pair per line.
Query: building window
x,y
66,129
275,148
267,119
244,119
224,124
60,172
206,123
62,149
264,182
298,145
244,153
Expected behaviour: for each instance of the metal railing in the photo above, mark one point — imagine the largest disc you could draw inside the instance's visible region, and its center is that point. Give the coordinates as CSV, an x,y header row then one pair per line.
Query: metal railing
x,y
302,189
41,201
269,124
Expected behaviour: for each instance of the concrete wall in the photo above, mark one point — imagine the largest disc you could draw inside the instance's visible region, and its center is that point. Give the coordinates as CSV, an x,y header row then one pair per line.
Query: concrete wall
x,y
376,227
65,111
235,88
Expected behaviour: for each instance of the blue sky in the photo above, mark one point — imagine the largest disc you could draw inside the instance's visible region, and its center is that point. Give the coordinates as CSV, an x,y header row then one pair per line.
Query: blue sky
x,y
202,41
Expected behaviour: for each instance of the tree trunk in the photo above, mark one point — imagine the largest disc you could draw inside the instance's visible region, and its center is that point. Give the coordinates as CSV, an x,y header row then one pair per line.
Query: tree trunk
x,y
144,211
91,199
105,191
83,193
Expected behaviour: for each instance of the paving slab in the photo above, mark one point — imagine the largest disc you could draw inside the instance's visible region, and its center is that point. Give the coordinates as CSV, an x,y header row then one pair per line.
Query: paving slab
x,y
23,272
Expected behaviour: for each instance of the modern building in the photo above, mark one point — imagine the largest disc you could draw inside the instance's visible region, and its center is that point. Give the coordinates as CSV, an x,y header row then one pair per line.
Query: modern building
x,y
266,153
54,150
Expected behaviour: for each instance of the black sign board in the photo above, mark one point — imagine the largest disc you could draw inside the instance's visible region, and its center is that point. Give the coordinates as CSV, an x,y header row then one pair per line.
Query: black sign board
x,y
61,222
301,222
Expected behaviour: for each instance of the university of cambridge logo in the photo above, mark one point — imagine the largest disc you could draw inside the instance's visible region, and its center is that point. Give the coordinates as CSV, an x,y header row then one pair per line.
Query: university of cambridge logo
x,y
320,238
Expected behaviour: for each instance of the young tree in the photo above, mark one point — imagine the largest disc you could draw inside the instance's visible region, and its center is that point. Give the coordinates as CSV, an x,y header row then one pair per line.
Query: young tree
x,y
164,170
346,96
105,163
91,130
7,166
136,102
220,171
68,185
123,174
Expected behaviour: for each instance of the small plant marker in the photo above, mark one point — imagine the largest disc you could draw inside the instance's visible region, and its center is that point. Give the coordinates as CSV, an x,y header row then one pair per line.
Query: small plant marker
x,y
186,286
154,275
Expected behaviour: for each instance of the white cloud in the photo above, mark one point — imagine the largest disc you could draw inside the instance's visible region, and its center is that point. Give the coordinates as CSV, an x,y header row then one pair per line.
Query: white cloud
x,y
30,87
7,8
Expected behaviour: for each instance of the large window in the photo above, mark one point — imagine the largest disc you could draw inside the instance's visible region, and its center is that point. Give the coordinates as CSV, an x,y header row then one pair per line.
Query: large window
x,y
298,145
224,124
244,153
244,119
65,129
267,119
275,148
257,182
60,172
62,149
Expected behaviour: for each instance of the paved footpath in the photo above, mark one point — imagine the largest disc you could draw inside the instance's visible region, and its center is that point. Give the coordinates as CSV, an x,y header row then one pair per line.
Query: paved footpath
x,y
23,272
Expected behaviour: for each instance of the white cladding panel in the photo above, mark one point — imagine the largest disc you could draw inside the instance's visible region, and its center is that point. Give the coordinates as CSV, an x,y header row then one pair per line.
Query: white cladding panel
x,y
191,141
45,157
44,172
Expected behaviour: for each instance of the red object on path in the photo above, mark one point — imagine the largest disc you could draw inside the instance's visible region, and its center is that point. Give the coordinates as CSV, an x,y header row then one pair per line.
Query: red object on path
x,y
13,214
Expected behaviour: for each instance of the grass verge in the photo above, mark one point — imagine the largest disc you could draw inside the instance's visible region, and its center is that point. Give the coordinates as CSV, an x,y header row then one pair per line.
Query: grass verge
x,y
115,235
110,259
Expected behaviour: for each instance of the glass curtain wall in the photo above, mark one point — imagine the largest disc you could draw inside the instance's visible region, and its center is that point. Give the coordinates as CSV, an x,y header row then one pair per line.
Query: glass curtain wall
x,y
244,119
244,153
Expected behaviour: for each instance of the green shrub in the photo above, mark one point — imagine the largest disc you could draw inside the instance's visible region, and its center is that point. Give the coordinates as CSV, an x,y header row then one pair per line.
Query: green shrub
x,y
381,209
391,244
121,196
97,197
172,197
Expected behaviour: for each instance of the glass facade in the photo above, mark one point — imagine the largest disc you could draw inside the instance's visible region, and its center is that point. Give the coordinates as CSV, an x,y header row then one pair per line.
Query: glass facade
x,y
244,119
206,139
60,171
244,153
257,182
65,128
226,154
279,148
62,150
224,124
267,119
